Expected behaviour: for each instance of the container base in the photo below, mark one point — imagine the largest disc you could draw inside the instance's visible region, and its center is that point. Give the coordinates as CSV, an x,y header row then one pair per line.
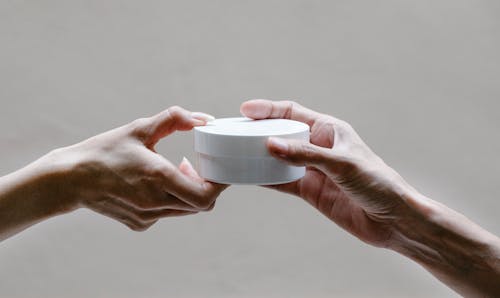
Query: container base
x,y
247,171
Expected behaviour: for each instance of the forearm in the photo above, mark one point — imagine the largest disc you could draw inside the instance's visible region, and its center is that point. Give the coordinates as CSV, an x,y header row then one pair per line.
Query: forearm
x,y
454,249
32,194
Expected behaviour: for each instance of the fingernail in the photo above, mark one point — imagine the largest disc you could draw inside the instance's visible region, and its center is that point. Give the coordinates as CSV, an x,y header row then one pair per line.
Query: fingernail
x,y
278,144
185,160
202,116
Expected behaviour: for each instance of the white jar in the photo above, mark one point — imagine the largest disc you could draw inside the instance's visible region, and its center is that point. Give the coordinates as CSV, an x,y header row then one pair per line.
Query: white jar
x,y
233,150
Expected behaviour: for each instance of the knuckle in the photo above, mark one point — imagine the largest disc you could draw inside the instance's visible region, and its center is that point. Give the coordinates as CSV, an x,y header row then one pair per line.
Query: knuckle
x,y
348,165
292,104
140,122
210,207
140,227
147,216
344,125
205,198
204,203
289,103
136,227
162,172
307,151
175,111
56,152
290,107
175,108
139,128
325,120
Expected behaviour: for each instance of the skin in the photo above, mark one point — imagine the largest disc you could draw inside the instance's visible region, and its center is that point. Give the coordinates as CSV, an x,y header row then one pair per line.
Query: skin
x,y
117,173
352,186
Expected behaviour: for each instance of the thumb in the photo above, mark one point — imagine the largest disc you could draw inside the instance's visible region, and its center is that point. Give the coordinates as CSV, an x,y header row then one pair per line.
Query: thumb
x,y
297,152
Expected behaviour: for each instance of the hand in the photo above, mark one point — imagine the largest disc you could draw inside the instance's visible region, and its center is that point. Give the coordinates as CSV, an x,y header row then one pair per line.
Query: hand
x,y
351,185
119,174
344,179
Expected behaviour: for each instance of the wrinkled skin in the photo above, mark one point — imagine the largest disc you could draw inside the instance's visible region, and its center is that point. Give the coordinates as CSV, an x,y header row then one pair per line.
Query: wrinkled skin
x,y
353,187
344,179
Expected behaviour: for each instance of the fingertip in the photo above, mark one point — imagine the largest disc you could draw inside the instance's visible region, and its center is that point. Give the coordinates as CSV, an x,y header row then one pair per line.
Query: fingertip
x,y
197,122
277,145
245,107
187,163
184,163
255,108
202,116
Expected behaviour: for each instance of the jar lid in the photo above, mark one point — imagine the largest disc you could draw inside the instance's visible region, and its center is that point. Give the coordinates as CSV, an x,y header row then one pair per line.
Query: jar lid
x,y
245,137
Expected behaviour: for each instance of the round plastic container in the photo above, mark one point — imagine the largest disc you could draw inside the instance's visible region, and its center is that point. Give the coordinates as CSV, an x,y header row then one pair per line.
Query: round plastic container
x,y
233,150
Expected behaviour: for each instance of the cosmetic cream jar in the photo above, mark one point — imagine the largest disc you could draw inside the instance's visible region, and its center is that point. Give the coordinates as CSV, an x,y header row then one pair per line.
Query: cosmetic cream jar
x,y
233,150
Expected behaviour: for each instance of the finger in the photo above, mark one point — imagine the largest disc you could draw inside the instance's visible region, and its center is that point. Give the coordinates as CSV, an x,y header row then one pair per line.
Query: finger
x,y
187,169
151,130
176,118
196,192
142,218
263,109
168,186
177,204
172,202
298,152
154,201
154,215
115,209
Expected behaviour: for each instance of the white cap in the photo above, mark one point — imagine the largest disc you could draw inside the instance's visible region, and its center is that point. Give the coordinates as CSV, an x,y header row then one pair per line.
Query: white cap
x,y
233,150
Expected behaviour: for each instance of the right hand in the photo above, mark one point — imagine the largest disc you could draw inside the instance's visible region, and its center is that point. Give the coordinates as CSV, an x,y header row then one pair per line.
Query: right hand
x,y
344,180
119,174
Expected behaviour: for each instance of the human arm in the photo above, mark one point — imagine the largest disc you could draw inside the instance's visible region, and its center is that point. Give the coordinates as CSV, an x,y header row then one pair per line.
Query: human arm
x,y
352,186
117,173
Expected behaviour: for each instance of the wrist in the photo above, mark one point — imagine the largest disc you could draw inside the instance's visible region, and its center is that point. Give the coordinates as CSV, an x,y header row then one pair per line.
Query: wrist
x,y
62,173
454,249
49,183
53,177
36,192
436,226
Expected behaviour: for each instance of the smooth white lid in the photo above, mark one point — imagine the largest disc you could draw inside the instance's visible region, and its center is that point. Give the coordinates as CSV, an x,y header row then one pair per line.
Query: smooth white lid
x,y
242,126
244,137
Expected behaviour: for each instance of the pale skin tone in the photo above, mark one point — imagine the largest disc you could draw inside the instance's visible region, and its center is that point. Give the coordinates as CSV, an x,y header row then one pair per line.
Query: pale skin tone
x,y
119,175
352,186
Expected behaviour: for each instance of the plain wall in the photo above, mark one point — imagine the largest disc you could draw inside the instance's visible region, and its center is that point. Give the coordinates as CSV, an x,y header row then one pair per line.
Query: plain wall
x,y
419,80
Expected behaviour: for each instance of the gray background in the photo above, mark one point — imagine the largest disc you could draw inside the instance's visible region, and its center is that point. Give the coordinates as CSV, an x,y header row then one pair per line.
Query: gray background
x,y
419,80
